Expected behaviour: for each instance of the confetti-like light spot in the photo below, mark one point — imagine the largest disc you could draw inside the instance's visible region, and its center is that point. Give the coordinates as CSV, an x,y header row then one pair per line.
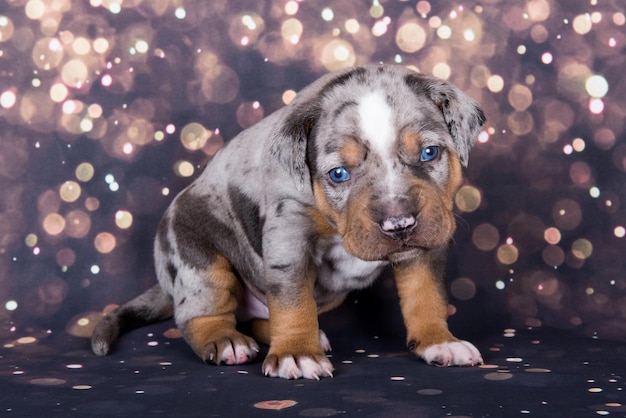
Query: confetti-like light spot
x,y
11,305
498,376
430,392
47,381
275,404
500,285
26,340
619,231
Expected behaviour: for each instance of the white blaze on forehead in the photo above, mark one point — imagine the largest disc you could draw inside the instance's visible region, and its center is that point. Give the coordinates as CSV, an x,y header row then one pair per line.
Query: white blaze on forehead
x,y
376,122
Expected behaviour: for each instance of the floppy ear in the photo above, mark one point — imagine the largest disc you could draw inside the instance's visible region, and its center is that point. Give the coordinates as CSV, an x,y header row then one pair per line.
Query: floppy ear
x,y
290,139
289,142
461,113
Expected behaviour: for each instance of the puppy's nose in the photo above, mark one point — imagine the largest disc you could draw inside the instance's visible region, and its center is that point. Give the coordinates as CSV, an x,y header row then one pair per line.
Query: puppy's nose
x,y
398,227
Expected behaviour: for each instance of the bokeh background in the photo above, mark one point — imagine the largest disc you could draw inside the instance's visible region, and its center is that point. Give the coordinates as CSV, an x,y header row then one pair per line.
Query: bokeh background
x,y
108,108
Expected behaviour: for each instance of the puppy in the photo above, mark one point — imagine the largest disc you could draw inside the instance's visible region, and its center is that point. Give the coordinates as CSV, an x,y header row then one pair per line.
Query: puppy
x,y
357,173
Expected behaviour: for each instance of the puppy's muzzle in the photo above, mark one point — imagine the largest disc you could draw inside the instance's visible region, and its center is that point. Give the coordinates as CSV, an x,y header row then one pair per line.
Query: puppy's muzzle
x,y
398,227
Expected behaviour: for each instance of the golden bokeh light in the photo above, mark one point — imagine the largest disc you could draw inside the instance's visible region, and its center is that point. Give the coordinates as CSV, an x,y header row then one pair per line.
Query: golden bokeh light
x,y
468,198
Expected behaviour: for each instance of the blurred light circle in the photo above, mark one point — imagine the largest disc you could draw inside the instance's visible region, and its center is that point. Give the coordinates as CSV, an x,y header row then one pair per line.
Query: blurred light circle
x,y
220,86
70,191
193,136
77,224
520,97
468,198
6,28
582,248
507,254
410,37
75,73
54,224
105,242
597,86
485,237
463,288
567,214
249,113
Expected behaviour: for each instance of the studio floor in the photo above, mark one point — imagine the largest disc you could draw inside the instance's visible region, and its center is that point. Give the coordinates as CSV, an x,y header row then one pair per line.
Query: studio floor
x,y
152,372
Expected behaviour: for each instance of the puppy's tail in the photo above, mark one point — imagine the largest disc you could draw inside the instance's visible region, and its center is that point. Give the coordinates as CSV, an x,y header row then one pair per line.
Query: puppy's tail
x,y
152,306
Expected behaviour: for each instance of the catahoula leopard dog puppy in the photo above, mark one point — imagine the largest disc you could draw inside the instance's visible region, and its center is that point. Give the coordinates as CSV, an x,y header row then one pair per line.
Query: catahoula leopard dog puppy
x,y
357,173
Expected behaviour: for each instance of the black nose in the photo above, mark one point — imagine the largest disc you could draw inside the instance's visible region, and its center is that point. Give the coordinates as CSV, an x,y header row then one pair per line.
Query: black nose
x,y
398,227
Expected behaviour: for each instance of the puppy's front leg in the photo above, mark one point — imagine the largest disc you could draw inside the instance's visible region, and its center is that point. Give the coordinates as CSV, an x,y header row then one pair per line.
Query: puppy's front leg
x,y
295,349
424,305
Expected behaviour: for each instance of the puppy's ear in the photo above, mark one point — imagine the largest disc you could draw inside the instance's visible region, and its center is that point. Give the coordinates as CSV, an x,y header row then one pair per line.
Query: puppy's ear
x,y
289,142
461,113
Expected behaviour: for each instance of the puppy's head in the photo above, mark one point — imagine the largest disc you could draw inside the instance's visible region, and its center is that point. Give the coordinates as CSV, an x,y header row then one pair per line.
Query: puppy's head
x,y
383,147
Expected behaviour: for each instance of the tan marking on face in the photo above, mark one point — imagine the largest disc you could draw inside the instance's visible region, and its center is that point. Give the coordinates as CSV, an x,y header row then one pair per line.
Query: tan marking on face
x,y
320,223
423,303
410,143
325,210
352,154
455,178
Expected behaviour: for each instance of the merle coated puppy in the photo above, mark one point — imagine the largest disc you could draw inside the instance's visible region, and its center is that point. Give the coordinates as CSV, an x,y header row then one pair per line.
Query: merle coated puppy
x,y
357,173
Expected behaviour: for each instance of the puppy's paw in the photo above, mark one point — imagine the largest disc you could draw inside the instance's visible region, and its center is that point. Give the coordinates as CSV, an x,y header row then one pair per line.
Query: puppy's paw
x,y
235,348
287,366
455,353
324,342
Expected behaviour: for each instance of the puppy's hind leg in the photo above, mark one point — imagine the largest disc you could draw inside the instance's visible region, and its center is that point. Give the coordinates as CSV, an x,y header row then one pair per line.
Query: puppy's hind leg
x,y
207,318
151,306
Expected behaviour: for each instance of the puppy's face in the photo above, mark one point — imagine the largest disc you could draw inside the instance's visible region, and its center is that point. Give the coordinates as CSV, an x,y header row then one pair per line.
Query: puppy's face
x,y
384,154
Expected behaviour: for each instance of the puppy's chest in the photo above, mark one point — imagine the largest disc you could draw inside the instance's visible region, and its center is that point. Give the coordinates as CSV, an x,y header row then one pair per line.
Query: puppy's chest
x,y
339,271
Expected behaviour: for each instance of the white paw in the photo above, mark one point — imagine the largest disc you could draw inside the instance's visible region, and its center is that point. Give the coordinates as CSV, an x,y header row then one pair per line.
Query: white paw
x,y
239,352
304,367
458,353
324,343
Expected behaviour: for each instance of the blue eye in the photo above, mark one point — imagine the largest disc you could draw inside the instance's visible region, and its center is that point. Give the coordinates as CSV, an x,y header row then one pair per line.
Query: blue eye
x,y
429,153
339,175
